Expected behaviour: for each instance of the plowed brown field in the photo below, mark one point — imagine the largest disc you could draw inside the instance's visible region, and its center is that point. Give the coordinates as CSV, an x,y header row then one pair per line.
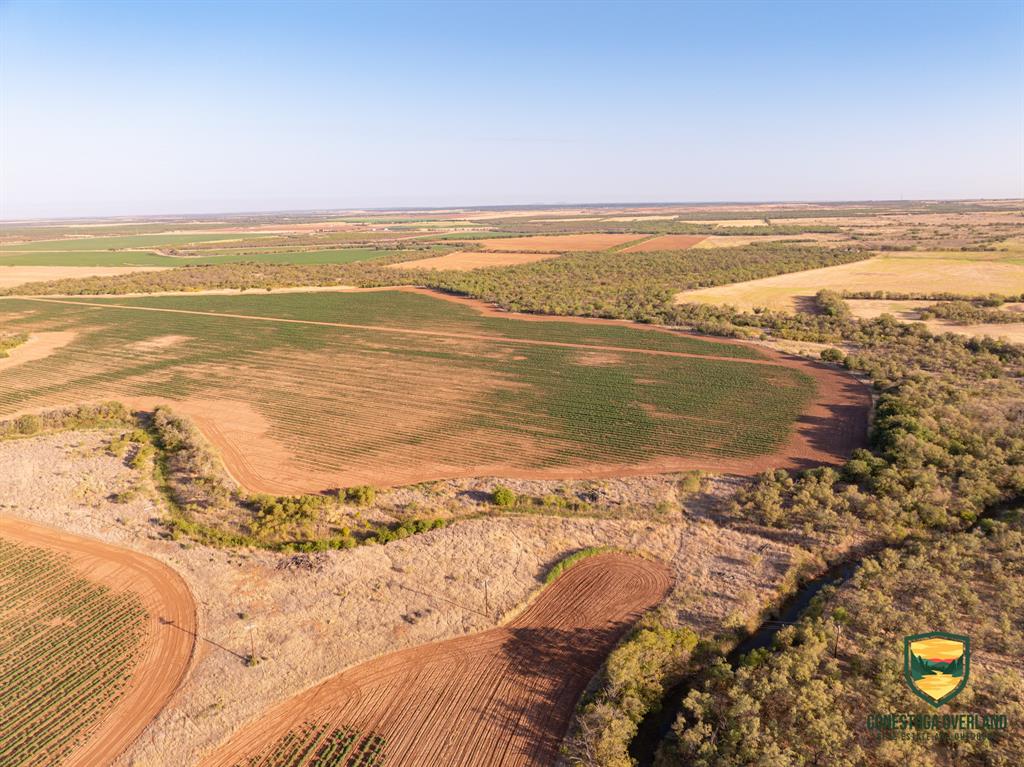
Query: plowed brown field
x,y
170,632
502,697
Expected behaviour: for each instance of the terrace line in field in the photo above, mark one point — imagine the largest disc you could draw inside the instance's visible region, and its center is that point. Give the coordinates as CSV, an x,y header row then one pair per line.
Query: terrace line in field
x,y
501,698
296,389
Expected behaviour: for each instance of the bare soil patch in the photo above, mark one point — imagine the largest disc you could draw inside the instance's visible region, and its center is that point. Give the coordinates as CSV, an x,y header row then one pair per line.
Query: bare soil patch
x,y
159,342
465,260
13,276
502,697
559,243
666,242
170,640
37,347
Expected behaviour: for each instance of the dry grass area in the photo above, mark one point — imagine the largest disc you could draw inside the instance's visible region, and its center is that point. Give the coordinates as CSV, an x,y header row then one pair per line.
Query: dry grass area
x,y
909,311
666,242
312,616
13,276
472,259
559,243
500,698
736,241
924,272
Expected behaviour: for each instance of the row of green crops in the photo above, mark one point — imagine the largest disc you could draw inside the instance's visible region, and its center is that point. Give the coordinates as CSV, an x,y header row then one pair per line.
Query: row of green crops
x,y
321,745
68,648
352,398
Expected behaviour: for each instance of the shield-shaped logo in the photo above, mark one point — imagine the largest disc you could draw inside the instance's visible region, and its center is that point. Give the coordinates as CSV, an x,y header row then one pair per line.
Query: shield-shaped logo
x,y
936,665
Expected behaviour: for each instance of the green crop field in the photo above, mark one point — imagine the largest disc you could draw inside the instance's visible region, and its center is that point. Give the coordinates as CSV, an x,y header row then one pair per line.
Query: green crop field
x,y
388,385
127,241
67,650
321,746
148,258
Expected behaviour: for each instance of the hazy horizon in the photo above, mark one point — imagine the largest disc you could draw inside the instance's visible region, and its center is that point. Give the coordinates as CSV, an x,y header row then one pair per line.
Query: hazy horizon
x,y
217,108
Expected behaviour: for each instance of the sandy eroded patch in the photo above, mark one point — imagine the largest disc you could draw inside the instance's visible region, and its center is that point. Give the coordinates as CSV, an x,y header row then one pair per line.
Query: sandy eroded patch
x,y
37,347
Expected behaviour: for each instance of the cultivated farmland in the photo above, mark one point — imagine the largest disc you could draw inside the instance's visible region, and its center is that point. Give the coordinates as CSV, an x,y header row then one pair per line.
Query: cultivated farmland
x,y
560,243
296,388
502,697
93,642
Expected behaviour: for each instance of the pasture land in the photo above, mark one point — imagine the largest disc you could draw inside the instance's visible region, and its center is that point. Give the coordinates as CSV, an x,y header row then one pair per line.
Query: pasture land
x,y
559,243
738,241
78,259
501,698
94,640
15,276
472,259
96,260
969,273
307,391
141,241
665,242
909,311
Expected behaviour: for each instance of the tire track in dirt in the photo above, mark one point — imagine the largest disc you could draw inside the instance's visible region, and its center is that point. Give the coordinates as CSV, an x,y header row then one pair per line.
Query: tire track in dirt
x,y
500,698
170,646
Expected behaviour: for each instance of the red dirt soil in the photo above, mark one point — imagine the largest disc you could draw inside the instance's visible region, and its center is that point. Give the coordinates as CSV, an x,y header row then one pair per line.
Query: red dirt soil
x,y
503,697
171,632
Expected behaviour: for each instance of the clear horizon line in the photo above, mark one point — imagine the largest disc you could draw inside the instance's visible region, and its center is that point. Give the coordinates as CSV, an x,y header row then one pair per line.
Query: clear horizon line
x,y
502,206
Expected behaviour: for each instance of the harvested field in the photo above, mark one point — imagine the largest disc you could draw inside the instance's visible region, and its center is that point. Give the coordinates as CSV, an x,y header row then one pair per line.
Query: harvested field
x,y
736,241
293,388
559,243
13,276
666,242
96,640
464,260
912,272
501,697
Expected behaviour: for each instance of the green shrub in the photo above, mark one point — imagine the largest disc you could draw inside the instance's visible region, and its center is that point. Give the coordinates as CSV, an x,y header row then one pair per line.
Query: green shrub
x,y
504,497
28,424
833,355
361,495
573,559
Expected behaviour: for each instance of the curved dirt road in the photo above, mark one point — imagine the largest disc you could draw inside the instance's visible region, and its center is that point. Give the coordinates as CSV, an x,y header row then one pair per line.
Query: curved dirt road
x,y
171,627
501,697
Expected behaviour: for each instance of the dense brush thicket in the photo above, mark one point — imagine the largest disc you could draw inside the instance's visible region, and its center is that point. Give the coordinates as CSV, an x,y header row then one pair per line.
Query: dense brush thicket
x,y
947,448
638,286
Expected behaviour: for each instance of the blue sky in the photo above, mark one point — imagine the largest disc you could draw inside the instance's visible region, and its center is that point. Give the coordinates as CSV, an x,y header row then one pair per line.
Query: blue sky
x,y
124,108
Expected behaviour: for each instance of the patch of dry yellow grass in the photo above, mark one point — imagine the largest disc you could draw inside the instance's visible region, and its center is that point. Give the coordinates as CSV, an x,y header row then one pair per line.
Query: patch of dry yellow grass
x,y
13,276
918,273
735,241
909,311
